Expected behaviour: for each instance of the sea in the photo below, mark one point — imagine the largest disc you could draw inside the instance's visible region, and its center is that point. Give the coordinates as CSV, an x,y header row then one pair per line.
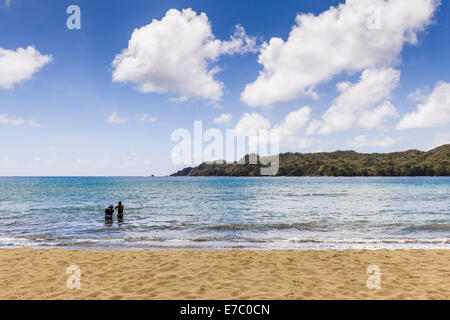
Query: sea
x,y
260,213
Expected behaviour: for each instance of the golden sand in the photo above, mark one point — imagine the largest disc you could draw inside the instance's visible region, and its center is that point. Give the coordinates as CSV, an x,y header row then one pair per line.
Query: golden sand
x,y
114,274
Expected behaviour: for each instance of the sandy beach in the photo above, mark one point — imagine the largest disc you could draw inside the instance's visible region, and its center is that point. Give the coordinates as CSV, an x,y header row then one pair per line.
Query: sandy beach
x,y
118,274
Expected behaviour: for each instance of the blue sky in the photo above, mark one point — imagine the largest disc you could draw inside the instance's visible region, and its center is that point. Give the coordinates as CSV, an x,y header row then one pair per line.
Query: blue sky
x,y
54,111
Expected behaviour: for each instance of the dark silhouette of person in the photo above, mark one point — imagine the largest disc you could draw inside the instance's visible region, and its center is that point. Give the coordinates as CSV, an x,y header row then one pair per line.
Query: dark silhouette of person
x,y
120,208
109,213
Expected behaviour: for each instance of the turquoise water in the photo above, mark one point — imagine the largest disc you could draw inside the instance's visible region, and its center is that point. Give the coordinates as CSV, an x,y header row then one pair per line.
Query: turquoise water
x,y
221,213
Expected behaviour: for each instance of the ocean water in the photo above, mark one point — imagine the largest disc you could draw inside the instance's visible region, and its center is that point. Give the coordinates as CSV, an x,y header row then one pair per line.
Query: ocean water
x,y
225,213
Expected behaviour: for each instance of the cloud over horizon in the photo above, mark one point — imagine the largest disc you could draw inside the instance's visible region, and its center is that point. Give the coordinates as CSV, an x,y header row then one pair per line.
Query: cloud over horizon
x,y
353,108
364,141
434,112
6,119
289,129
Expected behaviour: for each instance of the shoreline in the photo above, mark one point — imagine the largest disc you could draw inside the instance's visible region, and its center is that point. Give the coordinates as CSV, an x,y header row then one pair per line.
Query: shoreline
x,y
211,243
28,273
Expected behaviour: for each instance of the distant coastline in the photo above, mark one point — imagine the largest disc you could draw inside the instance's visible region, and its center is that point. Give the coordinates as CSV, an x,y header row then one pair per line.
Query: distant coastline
x,y
435,162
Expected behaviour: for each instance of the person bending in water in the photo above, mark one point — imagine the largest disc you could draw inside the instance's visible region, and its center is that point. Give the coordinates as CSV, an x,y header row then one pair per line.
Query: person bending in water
x,y
120,208
109,213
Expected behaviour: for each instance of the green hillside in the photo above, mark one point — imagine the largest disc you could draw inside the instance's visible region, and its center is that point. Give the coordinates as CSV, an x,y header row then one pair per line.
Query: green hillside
x,y
340,163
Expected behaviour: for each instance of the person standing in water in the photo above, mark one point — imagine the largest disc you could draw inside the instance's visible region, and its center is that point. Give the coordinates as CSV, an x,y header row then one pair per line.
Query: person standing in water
x,y
109,213
120,208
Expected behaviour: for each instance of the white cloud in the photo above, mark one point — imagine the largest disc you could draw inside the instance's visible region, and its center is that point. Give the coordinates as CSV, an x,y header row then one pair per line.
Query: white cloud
x,y
252,126
363,141
20,65
6,119
434,112
177,54
289,129
178,99
373,119
336,41
34,124
373,86
358,141
440,139
294,122
223,118
11,120
299,142
313,127
83,162
147,118
115,119
251,123
52,148
351,108
134,159
419,94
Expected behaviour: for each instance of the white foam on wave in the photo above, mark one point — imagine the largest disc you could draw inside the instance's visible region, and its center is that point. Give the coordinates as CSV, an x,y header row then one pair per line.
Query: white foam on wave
x,y
371,241
241,243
